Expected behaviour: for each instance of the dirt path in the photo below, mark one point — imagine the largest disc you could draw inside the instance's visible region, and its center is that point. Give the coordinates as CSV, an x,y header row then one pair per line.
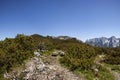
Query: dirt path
x,y
101,57
42,68
67,75
116,74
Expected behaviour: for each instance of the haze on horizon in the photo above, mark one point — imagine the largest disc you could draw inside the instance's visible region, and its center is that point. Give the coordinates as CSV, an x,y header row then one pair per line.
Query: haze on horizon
x,y
83,19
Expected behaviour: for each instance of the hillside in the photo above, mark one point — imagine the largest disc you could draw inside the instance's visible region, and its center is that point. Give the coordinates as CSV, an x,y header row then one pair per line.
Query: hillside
x,y
58,59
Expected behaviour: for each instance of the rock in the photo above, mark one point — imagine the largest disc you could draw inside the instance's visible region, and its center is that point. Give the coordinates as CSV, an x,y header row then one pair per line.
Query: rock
x,y
6,75
26,71
11,76
40,67
35,58
37,54
96,70
58,53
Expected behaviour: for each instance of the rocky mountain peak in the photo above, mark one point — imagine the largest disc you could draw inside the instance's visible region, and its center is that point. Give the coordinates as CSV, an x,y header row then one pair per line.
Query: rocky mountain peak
x,y
112,37
104,42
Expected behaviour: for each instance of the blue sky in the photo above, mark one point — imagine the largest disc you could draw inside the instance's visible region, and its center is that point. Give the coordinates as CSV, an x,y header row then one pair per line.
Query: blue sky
x,y
83,19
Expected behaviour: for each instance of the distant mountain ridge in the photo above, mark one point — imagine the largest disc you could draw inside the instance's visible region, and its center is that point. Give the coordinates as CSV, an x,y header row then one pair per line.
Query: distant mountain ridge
x,y
104,42
64,37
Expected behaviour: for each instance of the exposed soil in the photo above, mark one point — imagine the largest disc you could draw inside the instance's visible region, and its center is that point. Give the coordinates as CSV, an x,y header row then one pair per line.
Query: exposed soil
x,y
43,68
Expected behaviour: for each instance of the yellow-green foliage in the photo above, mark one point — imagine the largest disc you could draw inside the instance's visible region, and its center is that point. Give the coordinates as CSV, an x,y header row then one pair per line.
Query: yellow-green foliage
x,y
79,57
14,51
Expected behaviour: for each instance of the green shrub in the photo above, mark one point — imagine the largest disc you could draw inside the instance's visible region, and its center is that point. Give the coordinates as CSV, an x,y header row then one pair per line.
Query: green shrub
x,y
79,56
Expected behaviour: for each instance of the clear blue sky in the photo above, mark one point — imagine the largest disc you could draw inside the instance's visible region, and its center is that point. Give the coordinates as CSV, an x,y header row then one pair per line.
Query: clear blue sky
x,y
83,19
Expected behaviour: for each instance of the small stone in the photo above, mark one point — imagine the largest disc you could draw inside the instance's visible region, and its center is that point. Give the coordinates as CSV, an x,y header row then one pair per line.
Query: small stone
x,y
58,53
37,54
40,67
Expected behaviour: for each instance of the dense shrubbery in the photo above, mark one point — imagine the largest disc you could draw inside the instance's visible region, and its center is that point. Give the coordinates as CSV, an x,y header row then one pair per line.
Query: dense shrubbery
x,y
112,56
79,57
14,51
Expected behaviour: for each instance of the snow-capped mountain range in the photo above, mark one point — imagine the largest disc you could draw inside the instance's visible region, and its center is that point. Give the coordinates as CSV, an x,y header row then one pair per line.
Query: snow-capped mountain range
x,y
104,42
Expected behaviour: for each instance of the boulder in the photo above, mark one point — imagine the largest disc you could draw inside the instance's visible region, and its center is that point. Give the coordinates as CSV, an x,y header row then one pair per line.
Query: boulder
x,y
58,53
